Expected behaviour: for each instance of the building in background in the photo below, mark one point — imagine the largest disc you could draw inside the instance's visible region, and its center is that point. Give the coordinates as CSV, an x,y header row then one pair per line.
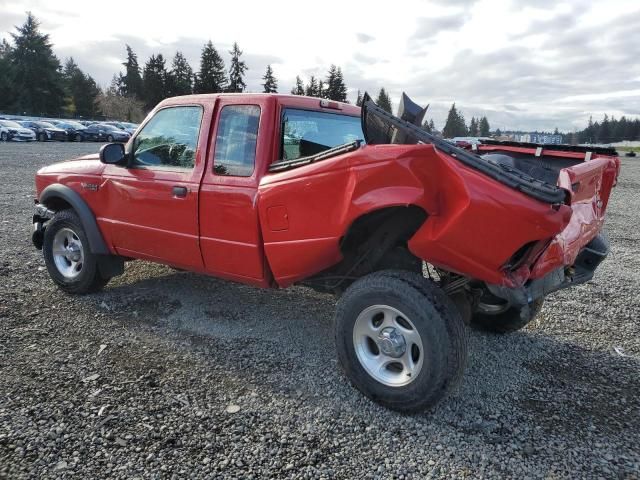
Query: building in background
x,y
542,138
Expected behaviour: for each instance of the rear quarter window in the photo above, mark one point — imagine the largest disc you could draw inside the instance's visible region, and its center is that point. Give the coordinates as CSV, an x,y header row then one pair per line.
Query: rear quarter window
x,y
306,132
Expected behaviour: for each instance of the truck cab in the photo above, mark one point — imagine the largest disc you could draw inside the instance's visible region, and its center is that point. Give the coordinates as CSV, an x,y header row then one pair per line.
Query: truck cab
x,y
184,190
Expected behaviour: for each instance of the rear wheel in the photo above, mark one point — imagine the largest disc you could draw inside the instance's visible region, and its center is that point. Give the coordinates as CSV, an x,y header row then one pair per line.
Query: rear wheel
x,y
497,315
70,263
4,137
400,340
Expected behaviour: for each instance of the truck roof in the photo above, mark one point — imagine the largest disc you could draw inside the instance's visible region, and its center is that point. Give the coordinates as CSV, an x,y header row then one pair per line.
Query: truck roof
x,y
300,101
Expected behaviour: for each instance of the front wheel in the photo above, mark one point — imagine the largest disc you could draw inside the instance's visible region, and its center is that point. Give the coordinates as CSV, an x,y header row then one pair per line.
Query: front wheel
x,y
70,263
77,138
110,138
400,340
42,137
4,137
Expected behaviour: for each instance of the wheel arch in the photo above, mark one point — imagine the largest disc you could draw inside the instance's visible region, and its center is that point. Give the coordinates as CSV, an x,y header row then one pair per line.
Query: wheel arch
x,y
375,240
400,221
59,197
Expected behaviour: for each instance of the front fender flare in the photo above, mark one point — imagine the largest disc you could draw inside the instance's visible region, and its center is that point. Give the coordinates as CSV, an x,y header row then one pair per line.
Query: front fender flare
x,y
88,219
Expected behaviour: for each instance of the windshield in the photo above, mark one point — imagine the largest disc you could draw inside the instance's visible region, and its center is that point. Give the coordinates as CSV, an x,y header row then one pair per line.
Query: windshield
x,y
306,132
9,123
44,124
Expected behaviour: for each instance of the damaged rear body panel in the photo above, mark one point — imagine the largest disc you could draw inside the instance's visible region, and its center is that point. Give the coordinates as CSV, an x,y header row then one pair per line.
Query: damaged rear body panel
x,y
521,220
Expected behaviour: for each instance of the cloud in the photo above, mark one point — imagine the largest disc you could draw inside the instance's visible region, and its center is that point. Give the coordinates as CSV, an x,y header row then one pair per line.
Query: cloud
x,y
429,27
364,38
9,20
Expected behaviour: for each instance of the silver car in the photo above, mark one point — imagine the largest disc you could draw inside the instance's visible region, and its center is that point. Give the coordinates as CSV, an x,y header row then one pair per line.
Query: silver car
x,y
17,132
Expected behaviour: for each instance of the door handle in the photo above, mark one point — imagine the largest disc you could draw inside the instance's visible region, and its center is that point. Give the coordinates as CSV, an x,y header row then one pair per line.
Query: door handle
x,y
180,192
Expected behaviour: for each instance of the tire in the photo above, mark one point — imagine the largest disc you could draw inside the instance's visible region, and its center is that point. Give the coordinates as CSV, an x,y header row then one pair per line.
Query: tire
x,y
433,335
42,137
63,232
110,138
77,138
509,320
4,137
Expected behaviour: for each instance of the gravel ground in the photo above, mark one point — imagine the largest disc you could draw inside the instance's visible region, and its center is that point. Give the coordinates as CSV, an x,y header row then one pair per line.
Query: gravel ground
x,y
144,379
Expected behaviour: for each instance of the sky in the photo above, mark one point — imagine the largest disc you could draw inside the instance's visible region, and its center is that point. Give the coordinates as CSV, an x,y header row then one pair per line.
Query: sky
x,y
525,64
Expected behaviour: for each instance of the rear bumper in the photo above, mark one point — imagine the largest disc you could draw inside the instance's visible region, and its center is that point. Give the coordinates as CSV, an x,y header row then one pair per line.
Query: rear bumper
x,y
580,272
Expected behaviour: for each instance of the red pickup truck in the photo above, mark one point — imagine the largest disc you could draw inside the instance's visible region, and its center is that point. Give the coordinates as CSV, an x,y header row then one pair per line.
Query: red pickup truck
x,y
417,236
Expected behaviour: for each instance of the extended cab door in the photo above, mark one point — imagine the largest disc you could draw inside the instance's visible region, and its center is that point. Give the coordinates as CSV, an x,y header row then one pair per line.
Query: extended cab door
x,y
230,236
152,206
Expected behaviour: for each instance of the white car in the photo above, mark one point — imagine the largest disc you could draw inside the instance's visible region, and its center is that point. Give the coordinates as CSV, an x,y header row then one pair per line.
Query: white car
x,y
17,132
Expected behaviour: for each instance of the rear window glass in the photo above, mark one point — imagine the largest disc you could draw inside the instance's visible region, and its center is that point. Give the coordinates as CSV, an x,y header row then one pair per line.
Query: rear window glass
x,y
306,132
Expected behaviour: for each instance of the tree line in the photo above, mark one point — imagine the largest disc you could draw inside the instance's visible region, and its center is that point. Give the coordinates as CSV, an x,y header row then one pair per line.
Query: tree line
x,y
609,130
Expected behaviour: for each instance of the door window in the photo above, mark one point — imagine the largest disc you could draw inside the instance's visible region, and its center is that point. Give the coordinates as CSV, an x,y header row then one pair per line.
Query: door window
x,y
169,139
236,140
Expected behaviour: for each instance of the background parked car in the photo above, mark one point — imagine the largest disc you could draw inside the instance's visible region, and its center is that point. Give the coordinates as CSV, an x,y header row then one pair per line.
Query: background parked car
x,y
126,126
73,129
100,132
17,132
45,131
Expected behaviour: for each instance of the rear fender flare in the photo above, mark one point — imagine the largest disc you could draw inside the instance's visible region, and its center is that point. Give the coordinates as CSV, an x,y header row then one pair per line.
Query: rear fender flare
x,y
88,219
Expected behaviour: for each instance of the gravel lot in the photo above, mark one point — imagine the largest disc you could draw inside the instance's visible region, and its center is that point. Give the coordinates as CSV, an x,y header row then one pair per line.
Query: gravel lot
x,y
138,381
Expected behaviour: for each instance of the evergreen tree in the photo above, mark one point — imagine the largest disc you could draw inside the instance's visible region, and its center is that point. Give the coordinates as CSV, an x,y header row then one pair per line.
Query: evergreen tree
x,y
321,92
604,132
336,89
359,99
429,126
212,77
180,77
484,128
81,89
588,134
454,126
131,82
270,83
154,77
7,82
620,129
237,70
474,127
498,133
312,87
383,100
299,87
36,71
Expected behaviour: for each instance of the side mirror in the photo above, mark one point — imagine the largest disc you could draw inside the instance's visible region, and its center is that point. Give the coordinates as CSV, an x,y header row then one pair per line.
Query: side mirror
x,y
113,153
